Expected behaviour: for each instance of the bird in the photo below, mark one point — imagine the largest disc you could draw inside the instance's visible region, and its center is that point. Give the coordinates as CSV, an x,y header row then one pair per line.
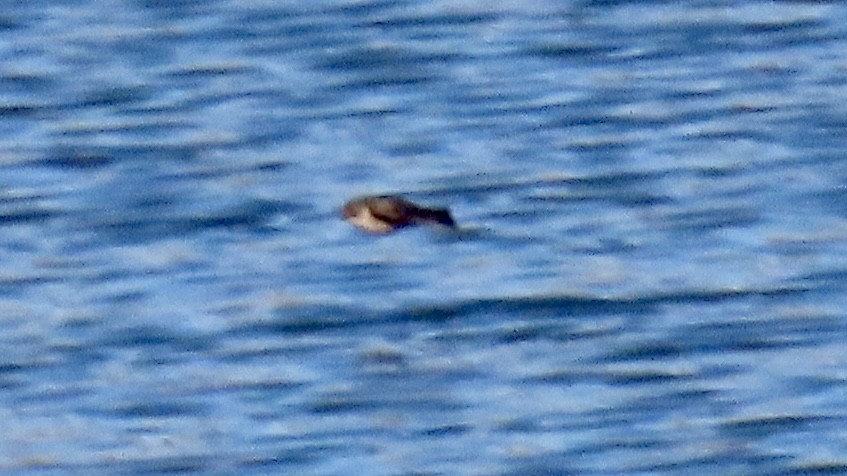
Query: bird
x,y
387,213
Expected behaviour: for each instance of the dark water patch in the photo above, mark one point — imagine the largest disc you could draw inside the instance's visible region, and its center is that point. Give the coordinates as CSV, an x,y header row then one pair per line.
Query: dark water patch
x,y
392,79
581,421
555,464
246,97
767,426
129,130
635,377
294,37
758,27
828,124
617,443
122,465
25,208
264,133
76,354
825,280
624,197
158,409
519,425
587,52
574,119
383,357
251,214
151,336
735,336
697,400
686,38
570,306
624,188
723,295
184,464
545,331
364,9
17,216
243,356
474,101
8,23
596,147
205,71
190,173
529,307
7,368
732,134
437,21
27,81
102,276
419,473
524,334
272,166
812,469
642,377
646,119
415,147
265,18
315,319
677,95
113,96
749,335
616,180
125,297
525,215
360,405
75,161
12,383
176,9
789,37
598,4
393,59
608,247
14,284
717,172
159,222
343,405
732,461
151,151
649,351
446,430
16,376
315,444
833,199
29,110
810,385
300,455
480,186
713,218
258,388
751,35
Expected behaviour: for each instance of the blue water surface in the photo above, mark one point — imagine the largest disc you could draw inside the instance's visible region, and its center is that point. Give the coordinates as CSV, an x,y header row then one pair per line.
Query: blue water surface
x,y
649,276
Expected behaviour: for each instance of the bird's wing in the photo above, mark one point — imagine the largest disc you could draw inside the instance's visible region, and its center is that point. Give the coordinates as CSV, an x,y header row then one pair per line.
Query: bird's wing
x,y
391,211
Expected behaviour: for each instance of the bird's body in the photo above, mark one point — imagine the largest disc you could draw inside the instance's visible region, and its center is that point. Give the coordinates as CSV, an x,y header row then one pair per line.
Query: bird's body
x,y
384,214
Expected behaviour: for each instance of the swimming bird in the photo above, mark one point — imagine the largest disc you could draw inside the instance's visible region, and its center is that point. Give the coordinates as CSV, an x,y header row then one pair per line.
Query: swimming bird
x,y
387,213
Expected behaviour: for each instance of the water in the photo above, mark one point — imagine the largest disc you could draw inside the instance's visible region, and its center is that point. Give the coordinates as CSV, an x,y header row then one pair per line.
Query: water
x,y
649,278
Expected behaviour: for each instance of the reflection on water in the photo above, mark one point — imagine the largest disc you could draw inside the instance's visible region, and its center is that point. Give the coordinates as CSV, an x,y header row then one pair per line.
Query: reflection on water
x,y
647,277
